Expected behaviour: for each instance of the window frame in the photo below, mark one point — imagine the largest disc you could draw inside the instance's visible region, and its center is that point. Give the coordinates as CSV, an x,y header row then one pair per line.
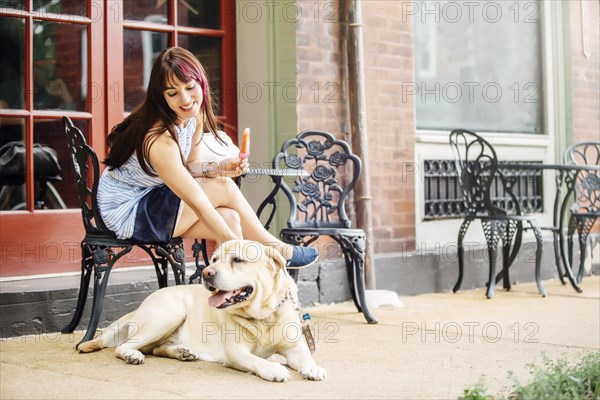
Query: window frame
x,y
433,144
116,28
28,113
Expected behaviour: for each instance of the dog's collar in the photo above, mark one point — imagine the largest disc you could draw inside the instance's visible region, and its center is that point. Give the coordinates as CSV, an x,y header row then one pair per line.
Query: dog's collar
x,y
287,297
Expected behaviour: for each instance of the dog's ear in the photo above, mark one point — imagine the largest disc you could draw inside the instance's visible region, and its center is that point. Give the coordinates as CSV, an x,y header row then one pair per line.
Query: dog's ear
x,y
275,255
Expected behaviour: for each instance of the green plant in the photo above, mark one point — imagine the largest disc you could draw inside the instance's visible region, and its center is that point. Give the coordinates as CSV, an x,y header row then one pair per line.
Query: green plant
x,y
559,380
476,392
555,380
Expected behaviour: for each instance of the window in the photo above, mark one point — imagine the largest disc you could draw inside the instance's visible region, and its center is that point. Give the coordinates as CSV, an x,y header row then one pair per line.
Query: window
x,y
443,197
43,75
477,66
197,25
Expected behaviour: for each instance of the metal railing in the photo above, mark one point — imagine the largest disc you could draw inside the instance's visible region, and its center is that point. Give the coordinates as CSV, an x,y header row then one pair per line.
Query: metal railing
x,y
443,197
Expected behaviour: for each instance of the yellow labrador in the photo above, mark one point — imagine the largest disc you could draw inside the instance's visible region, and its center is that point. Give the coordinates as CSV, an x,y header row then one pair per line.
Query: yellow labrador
x,y
246,311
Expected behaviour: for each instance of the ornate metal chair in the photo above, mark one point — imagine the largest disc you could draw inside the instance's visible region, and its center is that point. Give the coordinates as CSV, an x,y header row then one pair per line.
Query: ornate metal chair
x,y
586,190
100,249
480,180
317,201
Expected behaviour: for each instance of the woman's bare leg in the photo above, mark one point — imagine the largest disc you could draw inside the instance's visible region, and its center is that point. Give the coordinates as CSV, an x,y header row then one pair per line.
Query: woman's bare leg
x,y
190,227
224,193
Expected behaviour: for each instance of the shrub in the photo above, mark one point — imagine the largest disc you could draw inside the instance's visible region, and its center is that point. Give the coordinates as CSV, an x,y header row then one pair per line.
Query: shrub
x,y
555,380
561,380
476,392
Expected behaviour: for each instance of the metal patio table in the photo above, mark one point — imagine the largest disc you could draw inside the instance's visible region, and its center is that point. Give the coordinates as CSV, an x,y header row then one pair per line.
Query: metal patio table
x,y
566,174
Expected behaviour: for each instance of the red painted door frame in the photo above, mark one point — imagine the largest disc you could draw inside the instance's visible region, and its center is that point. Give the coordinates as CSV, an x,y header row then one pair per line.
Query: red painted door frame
x,y
48,241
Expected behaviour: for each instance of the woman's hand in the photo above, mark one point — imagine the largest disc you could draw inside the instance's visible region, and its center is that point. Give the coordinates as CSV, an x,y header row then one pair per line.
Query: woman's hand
x,y
232,167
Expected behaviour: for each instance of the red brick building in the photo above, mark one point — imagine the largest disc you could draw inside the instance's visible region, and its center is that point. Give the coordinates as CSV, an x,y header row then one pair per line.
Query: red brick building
x,y
523,74
395,140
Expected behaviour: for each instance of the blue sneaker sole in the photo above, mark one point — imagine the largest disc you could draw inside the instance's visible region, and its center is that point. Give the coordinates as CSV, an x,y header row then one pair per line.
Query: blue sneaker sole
x,y
303,266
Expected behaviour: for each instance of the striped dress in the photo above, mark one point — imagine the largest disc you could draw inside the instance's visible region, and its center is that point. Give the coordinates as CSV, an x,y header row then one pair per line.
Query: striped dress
x,y
121,189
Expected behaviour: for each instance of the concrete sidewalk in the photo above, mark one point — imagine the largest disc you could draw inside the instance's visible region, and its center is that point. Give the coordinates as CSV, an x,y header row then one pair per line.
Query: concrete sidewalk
x,y
432,348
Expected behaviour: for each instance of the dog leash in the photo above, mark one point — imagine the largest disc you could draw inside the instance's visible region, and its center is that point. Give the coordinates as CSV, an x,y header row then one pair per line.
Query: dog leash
x,y
310,341
304,319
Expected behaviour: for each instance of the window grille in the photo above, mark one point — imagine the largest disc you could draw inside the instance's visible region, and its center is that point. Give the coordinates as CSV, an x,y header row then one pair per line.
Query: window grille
x,y
443,197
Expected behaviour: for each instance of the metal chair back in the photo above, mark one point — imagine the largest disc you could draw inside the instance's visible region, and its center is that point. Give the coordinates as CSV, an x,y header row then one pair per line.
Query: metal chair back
x,y
477,167
87,176
587,183
319,199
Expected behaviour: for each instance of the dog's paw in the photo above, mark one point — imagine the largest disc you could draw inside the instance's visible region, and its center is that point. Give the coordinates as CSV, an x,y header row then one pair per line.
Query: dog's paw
x,y
274,372
133,357
314,373
185,354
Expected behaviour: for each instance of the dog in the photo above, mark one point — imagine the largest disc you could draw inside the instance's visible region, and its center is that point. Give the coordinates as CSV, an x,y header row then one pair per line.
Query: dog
x,y
246,311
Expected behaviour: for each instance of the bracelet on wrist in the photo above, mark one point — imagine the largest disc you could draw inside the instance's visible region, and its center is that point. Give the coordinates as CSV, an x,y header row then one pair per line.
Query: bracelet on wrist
x,y
209,170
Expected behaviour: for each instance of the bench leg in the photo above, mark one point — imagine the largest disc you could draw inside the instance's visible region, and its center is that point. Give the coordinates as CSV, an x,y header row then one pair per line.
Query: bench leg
x,y
538,257
359,276
173,254
584,226
460,250
493,231
354,246
160,263
84,284
100,282
162,271
491,285
351,281
557,260
570,230
104,260
348,252
176,257
198,248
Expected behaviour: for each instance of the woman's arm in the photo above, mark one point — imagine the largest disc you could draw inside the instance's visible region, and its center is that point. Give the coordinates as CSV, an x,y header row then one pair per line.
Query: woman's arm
x,y
165,158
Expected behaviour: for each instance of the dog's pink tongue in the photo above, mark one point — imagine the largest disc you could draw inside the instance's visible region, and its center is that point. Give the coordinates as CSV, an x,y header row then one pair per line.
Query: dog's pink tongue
x,y
219,298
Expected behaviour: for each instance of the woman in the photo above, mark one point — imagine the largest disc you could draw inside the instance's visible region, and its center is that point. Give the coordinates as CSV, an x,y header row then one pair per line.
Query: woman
x,y
156,187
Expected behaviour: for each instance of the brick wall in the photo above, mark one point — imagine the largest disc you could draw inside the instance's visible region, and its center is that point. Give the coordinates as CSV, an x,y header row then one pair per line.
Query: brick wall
x,y
585,72
320,104
319,67
388,63
388,46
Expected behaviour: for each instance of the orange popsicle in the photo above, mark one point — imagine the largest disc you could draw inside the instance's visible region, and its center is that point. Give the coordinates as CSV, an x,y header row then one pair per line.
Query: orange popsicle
x,y
245,147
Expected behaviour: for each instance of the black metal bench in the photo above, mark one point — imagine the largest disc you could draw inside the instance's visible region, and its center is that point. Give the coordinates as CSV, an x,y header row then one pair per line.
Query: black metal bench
x,y
502,221
317,202
100,248
312,159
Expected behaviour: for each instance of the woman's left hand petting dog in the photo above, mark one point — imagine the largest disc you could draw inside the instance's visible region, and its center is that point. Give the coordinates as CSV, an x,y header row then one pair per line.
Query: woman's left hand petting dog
x,y
247,289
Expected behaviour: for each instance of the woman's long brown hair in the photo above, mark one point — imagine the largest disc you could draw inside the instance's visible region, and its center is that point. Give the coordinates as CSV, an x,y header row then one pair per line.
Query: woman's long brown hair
x,y
137,132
